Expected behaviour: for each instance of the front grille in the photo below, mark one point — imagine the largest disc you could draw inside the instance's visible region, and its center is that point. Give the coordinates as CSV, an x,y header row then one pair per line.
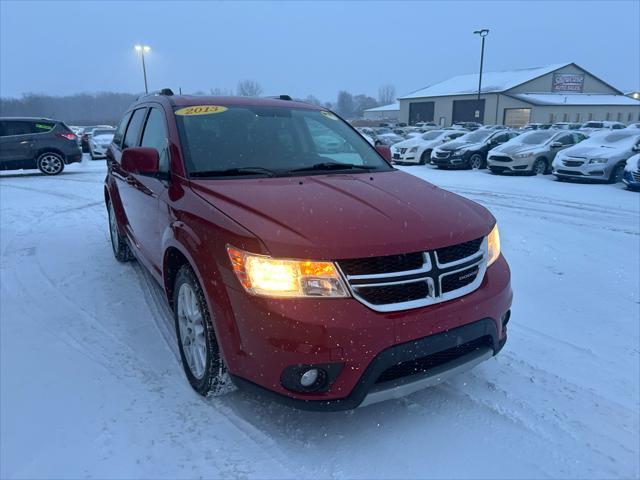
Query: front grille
x,y
459,279
387,264
636,176
572,163
424,364
402,292
402,150
569,172
500,158
459,251
411,280
442,154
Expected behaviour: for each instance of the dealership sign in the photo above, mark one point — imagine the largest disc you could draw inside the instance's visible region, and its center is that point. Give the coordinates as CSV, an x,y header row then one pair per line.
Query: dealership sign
x,y
567,82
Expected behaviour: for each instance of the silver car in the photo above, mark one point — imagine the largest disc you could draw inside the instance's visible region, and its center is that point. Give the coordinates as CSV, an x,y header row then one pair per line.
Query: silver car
x,y
532,152
602,157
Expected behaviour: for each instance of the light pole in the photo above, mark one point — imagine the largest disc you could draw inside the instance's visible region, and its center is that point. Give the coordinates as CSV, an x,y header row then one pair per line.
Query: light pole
x,y
142,49
483,33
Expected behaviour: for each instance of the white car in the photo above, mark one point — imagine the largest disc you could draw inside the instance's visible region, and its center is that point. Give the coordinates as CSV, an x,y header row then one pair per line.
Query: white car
x,y
600,157
593,126
631,176
99,142
418,149
634,126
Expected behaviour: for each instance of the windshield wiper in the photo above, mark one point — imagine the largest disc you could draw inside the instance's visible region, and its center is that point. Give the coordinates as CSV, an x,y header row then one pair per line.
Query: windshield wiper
x,y
235,172
332,166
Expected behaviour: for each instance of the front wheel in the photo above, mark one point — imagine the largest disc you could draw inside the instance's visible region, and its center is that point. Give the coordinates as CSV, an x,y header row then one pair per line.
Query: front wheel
x,y
617,173
50,163
425,157
119,244
475,162
539,167
201,357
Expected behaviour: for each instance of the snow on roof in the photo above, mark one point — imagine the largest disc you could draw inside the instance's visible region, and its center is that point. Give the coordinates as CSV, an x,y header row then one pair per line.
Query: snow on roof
x,y
385,108
575,99
491,82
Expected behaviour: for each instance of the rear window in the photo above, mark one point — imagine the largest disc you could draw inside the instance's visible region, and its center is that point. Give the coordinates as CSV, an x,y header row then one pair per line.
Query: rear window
x,y
276,138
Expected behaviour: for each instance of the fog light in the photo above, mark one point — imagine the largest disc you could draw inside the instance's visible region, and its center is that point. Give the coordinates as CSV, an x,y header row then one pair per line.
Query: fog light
x,y
309,377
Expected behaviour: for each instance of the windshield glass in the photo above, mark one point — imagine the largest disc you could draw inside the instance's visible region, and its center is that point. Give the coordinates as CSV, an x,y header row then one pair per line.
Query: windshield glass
x,y
277,139
477,136
593,125
617,138
432,135
536,137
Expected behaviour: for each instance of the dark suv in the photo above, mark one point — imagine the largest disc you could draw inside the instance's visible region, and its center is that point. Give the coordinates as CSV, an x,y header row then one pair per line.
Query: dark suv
x,y
37,143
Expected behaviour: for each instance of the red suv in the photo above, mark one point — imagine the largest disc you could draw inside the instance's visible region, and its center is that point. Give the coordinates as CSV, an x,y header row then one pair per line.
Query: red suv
x,y
297,260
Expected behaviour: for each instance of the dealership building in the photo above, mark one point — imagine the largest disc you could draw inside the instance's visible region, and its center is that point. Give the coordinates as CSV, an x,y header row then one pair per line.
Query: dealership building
x,y
555,93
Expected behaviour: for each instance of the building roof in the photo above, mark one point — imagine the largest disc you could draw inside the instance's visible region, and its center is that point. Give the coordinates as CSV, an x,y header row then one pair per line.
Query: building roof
x,y
385,108
492,82
575,99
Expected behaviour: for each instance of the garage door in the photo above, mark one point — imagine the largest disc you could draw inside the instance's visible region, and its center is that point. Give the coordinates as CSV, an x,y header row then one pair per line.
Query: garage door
x,y
420,112
468,111
516,117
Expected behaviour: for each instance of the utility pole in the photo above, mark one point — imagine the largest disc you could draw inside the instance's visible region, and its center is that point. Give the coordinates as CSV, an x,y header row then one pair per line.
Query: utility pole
x,y
483,33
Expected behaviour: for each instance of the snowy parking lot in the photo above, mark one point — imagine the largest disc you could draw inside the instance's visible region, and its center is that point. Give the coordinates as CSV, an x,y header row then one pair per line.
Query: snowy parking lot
x,y
91,384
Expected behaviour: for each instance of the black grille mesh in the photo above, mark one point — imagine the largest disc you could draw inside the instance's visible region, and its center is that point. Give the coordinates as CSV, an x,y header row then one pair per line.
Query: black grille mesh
x,y
403,292
388,264
423,364
459,251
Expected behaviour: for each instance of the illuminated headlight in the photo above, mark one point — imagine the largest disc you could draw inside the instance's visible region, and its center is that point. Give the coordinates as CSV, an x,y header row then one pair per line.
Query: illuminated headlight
x,y
493,242
274,277
523,155
599,160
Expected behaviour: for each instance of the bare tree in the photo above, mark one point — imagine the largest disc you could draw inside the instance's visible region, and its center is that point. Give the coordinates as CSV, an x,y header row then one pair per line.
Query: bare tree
x,y
386,94
249,88
313,100
221,92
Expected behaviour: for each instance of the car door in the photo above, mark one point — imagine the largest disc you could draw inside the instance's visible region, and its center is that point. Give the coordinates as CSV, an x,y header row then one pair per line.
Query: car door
x,y
16,143
565,140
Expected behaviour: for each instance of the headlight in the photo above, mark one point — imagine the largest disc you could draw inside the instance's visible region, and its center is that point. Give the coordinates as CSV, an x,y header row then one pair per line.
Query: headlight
x,y
599,160
523,155
274,277
460,151
413,149
493,242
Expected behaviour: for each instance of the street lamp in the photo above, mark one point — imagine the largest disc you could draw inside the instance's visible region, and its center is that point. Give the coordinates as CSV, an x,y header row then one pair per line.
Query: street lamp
x,y
483,33
142,49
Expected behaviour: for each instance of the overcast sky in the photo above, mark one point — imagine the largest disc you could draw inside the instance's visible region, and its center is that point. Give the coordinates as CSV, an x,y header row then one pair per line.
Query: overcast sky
x,y
300,48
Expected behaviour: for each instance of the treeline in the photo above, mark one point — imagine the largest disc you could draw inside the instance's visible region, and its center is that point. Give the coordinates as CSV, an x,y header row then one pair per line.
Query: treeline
x,y
108,107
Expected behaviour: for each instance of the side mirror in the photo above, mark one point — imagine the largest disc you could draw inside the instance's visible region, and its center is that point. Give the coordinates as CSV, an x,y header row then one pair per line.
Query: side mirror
x,y
557,145
636,148
141,160
385,151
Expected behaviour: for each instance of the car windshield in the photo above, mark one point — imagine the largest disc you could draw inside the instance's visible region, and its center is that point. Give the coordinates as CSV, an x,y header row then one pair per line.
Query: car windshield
x,y
617,137
536,137
477,136
274,140
432,135
103,132
593,125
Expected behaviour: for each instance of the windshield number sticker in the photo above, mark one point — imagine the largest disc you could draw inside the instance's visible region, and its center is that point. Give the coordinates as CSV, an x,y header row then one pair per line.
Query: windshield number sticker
x,y
201,110
328,115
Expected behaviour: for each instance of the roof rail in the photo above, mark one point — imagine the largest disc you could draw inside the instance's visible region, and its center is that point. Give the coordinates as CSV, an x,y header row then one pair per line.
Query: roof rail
x,y
167,92
281,97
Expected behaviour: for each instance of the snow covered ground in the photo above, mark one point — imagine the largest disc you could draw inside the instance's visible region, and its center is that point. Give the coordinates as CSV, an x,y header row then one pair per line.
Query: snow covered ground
x,y
91,385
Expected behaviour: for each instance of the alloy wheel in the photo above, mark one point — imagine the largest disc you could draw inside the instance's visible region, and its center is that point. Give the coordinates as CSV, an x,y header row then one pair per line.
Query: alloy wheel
x,y
476,162
113,229
192,334
51,163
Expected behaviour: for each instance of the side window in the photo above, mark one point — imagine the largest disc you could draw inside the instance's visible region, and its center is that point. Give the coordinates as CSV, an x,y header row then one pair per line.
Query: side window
x,y
41,127
618,126
565,139
17,127
122,126
500,138
155,136
2,128
133,130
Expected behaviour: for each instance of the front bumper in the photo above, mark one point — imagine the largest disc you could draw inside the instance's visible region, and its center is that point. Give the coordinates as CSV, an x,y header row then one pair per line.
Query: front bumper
x,y
632,179
507,164
99,151
276,334
408,157
452,160
74,157
568,168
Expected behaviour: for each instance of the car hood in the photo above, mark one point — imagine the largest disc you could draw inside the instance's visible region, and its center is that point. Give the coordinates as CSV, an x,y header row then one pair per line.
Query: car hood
x,y
596,150
337,216
516,148
409,142
455,145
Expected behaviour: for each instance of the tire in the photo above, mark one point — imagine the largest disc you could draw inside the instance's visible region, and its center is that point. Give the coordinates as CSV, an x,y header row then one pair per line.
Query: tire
x,y
425,157
539,167
119,244
201,357
616,173
476,162
50,163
